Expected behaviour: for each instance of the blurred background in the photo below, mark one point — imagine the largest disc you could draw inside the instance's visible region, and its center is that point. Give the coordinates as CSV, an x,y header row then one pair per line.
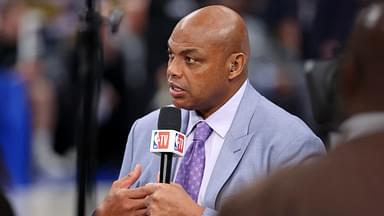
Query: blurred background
x,y
38,72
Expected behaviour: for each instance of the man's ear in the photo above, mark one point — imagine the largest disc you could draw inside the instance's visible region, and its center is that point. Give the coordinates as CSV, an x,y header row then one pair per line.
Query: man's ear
x,y
236,65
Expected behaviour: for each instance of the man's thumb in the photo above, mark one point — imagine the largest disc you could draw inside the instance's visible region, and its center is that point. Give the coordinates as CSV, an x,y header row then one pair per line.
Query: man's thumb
x,y
131,178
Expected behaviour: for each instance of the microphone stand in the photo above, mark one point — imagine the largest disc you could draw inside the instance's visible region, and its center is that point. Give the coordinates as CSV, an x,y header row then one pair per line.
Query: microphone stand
x,y
89,55
90,58
165,167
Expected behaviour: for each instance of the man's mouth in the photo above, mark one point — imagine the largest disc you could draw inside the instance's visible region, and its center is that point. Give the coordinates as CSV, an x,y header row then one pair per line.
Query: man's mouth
x,y
175,90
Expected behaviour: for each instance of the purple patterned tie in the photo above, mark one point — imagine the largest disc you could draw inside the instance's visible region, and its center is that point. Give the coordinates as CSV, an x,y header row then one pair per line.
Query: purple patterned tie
x,y
191,169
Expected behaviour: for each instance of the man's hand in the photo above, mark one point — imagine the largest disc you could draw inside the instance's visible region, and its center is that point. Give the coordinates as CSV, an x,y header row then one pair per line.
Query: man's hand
x,y
169,200
123,201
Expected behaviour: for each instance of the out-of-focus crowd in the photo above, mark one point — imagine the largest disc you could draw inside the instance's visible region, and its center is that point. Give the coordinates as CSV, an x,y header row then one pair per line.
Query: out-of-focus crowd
x,y
39,68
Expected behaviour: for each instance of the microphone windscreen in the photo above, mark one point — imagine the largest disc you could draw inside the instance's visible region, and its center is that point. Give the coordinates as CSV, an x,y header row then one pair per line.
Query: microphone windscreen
x,y
169,119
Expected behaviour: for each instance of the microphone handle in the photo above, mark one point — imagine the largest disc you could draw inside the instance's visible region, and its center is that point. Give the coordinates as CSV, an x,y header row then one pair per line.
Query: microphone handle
x,y
166,167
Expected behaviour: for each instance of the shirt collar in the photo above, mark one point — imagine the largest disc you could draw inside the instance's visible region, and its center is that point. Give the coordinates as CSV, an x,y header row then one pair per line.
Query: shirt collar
x,y
221,120
361,125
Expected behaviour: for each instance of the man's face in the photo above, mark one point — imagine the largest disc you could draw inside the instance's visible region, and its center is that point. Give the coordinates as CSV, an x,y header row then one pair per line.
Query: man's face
x,y
196,72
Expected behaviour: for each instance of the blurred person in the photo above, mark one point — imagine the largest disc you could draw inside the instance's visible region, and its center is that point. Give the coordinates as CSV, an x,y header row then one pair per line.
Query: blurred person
x,y
282,19
124,82
288,87
132,42
10,15
21,31
41,94
246,136
113,109
59,66
15,128
123,60
349,180
11,130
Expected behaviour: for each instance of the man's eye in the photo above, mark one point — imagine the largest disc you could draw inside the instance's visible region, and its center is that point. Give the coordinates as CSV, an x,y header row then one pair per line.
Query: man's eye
x,y
190,60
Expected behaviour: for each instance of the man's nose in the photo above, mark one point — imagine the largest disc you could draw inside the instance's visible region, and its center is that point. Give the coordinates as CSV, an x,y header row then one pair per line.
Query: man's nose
x,y
173,69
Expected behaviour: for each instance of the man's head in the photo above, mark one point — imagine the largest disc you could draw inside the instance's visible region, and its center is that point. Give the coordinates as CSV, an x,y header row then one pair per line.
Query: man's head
x,y
362,70
208,55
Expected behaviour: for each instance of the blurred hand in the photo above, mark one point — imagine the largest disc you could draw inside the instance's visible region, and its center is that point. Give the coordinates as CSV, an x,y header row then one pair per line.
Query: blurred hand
x,y
124,201
169,200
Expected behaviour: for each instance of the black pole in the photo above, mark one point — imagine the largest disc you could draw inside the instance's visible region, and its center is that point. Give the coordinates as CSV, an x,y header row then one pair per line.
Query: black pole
x,y
90,63
166,167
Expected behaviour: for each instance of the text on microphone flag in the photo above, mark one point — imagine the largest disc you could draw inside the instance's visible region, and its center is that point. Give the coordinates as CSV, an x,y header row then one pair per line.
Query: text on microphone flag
x,y
162,139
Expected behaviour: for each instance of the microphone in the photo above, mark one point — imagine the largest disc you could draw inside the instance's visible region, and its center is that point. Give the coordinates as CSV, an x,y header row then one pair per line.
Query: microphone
x,y
168,140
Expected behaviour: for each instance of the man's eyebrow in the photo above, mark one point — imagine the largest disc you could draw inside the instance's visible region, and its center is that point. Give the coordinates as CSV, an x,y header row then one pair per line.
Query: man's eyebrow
x,y
185,51
189,51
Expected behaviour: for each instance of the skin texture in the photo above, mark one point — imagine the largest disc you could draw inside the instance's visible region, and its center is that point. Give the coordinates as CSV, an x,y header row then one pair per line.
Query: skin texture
x,y
208,54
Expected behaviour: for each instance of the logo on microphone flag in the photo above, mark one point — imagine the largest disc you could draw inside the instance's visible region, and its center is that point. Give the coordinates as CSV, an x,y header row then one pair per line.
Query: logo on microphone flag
x,y
179,144
161,140
167,141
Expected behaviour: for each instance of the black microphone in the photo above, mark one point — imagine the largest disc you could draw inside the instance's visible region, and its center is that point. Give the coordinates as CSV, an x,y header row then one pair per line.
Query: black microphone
x,y
169,119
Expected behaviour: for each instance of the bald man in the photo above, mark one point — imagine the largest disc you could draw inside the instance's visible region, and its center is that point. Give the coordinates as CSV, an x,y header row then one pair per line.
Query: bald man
x,y
246,136
350,180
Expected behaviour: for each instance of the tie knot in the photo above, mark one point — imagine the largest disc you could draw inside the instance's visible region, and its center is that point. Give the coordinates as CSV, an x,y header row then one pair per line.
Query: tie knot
x,y
202,131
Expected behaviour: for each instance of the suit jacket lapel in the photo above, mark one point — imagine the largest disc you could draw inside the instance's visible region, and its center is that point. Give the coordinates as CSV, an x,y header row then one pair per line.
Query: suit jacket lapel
x,y
234,146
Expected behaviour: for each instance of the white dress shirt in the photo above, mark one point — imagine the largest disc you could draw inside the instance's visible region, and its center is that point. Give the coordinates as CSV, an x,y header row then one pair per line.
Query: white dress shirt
x,y
220,122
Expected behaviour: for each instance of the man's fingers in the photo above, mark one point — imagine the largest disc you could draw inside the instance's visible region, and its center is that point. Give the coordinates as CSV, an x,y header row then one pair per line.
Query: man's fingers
x,y
141,212
137,193
129,179
136,204
150,188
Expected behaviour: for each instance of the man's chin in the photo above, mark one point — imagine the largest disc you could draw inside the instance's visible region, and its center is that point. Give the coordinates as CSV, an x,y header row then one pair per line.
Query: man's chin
x,y
181,105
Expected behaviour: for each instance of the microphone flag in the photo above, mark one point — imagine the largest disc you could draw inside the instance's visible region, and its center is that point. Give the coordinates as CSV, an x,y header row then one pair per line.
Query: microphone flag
x,y
168,141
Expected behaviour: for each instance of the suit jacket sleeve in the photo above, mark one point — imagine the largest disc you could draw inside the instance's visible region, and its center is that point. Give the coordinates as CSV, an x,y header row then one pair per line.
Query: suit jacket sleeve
x,y
302,149
126,166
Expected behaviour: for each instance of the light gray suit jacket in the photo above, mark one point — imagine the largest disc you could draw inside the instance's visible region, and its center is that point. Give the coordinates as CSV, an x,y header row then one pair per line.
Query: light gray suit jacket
x,y
261,139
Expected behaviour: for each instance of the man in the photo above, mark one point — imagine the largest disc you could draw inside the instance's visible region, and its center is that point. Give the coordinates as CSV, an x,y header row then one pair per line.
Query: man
x,y
249,137
350,180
